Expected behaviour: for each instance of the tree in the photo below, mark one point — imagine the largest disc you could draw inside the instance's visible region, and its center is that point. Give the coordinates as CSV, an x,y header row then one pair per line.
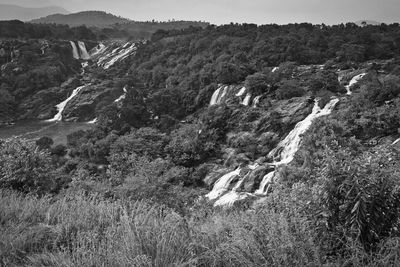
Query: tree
x,y
25,168
44,142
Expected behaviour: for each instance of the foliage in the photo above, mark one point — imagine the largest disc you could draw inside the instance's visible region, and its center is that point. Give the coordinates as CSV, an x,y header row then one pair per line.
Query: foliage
x,y
24,167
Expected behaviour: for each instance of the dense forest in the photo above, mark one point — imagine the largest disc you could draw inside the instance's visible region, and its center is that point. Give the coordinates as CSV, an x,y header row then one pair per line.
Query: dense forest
x,y
130,191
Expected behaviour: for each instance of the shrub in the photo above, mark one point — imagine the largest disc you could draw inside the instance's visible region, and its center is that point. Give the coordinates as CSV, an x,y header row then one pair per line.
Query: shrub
x,y
288,89
25,168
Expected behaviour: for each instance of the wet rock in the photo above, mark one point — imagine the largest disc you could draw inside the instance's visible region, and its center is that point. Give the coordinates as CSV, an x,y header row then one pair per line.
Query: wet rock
x,y
215,173
293,110
83,106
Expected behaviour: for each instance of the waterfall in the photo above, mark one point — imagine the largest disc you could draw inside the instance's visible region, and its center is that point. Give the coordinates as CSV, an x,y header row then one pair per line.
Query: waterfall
x,y
222,185
286,149
82,49
219,95
256,101
232,196
75,53
241,92
267,180
246,100
62,105
121,55
106,56
98,49
289,146
123,96
92,121
353,82
214,97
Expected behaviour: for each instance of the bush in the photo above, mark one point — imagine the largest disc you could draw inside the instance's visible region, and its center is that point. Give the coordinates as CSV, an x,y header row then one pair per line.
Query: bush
x,y
288,89
25,168
44,142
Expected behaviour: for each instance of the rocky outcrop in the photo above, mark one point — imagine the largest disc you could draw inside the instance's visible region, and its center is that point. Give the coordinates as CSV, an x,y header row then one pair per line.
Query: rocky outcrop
x,y
292,110
42,104
83,106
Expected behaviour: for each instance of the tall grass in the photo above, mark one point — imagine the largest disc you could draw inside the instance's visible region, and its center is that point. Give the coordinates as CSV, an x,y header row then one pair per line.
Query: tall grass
x,y
79,230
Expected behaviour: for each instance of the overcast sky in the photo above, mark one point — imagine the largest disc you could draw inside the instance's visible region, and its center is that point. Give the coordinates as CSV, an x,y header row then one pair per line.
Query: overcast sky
x,y
225,11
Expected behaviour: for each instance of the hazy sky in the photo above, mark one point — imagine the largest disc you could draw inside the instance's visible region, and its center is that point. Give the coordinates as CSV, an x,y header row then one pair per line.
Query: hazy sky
x,y
225,11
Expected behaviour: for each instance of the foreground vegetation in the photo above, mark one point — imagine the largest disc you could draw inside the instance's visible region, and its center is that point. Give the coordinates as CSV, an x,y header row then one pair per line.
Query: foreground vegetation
x,y
79,230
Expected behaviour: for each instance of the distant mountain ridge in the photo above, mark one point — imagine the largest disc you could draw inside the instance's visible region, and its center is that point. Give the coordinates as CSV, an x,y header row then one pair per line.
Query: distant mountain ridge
x,y
89,18
12,12
111,26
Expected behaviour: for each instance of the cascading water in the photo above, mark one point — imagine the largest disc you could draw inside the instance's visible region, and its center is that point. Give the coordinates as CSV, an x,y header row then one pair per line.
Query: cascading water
x,y
75,53
62,105
286,149
290,144
100,48
219,95
232,196
256,101
118,54
123,96
353,82
246,100
82,49
214,97
92,121
222,185
242,91
267,180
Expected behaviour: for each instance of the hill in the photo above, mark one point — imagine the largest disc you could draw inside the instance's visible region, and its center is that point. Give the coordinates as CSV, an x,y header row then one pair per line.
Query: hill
x,y
89,18
111,26
9,12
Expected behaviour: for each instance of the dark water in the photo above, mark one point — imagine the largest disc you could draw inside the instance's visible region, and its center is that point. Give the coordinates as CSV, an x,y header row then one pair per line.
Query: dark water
x,y
32,130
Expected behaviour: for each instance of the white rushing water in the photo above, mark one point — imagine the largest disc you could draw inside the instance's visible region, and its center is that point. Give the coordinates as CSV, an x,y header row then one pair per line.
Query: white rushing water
x,y
246,100
62,105
233,195
75,53
92,121
353,82
256,101
214,97
82,48
242,91
289,146
123,96
285,152
100,48
267,180
222,185
108,59
219,95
